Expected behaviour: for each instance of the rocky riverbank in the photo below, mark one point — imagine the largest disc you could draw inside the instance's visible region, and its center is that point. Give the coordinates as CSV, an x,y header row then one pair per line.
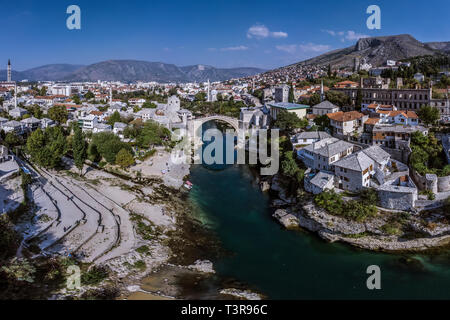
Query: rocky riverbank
x,y
387,231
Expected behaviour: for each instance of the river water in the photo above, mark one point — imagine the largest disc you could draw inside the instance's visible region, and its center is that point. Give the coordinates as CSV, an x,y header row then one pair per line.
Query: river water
x,y
285,264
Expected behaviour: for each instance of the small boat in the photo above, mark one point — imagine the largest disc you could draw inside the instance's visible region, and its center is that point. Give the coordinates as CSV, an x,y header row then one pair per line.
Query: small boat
x,y
188,185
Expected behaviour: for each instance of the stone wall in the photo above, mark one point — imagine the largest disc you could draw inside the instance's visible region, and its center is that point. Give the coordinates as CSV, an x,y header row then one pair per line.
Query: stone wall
x,y
431,182
401,155
397,200
444,184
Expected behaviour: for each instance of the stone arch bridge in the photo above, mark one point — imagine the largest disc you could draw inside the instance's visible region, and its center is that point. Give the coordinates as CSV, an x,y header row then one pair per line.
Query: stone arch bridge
x,y
195,125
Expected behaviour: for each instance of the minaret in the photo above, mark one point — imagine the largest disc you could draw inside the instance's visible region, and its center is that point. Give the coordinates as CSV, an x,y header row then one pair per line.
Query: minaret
x,y
110,96
15,95
9,71
209,92
322,95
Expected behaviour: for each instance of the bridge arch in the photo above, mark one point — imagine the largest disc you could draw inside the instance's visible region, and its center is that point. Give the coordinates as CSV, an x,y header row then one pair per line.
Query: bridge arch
x,y
194,125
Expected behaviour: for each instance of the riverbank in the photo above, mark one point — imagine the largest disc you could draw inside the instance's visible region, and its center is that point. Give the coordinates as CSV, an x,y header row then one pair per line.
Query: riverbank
x,y
389,231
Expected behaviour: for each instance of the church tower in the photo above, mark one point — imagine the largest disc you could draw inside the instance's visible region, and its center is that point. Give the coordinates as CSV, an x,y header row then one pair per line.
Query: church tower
x,y
9,71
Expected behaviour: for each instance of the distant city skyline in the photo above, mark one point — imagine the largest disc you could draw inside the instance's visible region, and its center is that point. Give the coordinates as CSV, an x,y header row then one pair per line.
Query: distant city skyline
x,y
225,34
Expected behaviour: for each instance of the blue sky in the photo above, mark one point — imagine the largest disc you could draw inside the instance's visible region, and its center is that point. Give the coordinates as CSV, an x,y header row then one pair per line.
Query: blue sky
x,y
222,33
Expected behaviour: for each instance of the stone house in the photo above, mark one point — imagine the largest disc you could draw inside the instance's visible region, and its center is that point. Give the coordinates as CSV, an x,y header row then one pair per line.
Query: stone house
x,y
346,123
322,155
324,107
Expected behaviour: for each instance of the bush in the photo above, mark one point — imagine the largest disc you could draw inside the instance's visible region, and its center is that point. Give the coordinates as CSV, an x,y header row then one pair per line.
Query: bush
x,y
94,276
140,264
353,210
143,250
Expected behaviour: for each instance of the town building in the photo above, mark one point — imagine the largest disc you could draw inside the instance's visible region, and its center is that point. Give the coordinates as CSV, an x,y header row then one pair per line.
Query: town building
x,y
322,155
282,93
346,123
324,107
299,109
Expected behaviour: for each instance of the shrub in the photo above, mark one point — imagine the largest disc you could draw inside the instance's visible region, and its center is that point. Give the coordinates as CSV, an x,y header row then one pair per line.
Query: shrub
x,y
94,276
143,250
140,264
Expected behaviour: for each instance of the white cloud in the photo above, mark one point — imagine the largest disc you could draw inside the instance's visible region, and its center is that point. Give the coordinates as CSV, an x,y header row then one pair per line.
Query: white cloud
x,y
352,35
237,48
279,34
289,48
304,48
331,32
312,47
260,31
346,35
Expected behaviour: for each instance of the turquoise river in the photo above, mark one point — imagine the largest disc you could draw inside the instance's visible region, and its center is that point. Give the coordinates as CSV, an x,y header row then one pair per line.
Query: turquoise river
x,y
285,264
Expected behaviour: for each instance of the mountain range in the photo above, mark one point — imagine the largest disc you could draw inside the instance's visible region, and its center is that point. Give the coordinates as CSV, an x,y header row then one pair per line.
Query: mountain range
x,y
376,50
129,71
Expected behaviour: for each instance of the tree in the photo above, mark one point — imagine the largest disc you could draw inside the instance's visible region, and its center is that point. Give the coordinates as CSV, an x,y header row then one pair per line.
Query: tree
x,y
124,158
58,113
359,97
291,94
46,148
152,133
149,105
115,117
43,91
329,71
20,269
76,99
323,122
429,115
173,91
79,148
108,145
13,140
89,95
289,121
93,154
201,96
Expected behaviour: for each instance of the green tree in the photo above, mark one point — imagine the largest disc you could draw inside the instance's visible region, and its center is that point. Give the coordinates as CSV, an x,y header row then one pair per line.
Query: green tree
x,y
291,94
124,158
358,102
46,148
92,153
152,133
59,114
429,115
89,95
323,122
78,148
115,117
149,105
289,121
13,140
201,96
43,91
108,145
76,99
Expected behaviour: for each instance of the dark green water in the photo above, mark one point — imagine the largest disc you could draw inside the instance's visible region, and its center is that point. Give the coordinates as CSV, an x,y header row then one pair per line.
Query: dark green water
x,y
295,265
